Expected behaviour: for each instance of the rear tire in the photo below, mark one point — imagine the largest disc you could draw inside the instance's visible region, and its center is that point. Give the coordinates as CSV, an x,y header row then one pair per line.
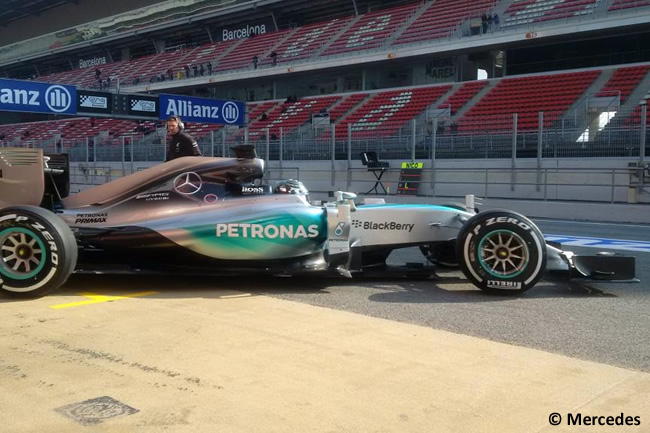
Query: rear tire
x,y
501,252
38,251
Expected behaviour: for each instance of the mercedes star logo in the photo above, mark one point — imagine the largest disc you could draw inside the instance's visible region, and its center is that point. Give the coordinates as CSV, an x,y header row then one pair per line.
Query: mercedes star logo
x,y
188,183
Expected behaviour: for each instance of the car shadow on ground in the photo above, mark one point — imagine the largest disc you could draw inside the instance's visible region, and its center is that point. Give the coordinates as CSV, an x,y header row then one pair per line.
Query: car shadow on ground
x,y
447,288
456,291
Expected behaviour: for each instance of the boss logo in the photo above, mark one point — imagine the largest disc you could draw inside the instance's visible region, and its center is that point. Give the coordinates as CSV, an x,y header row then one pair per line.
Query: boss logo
x,y
252,190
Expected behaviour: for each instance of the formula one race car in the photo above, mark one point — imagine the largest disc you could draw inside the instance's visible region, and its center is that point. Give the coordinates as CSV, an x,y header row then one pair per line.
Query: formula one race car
x,y
202,215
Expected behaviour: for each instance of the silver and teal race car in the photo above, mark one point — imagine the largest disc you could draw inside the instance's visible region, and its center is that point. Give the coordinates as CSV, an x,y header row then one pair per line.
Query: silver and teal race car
x,y
200,215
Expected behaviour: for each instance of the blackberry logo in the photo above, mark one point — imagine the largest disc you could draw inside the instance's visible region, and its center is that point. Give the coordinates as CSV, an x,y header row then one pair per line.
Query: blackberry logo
x,y
385,225
230,112
57,98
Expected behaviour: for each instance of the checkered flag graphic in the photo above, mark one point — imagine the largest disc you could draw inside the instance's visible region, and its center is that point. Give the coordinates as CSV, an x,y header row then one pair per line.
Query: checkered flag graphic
x,y
91,101
143,105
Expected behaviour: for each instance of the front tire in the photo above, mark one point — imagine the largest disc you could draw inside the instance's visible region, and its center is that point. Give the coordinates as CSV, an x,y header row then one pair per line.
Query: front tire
x,y
37,251
501,252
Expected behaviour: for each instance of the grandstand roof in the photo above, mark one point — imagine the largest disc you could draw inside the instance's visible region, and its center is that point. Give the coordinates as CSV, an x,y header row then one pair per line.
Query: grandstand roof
x,y
286,13
13,10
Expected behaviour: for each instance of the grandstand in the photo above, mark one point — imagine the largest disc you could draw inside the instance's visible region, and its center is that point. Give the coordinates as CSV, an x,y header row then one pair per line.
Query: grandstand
x,y
548,93
313,73
531,11
388,111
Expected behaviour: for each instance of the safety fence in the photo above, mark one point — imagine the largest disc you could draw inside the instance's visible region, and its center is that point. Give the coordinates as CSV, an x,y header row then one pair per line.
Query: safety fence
x,y
544,135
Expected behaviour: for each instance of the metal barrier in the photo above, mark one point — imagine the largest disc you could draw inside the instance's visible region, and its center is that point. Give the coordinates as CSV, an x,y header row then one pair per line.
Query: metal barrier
x,y
90,175
485,137
610,185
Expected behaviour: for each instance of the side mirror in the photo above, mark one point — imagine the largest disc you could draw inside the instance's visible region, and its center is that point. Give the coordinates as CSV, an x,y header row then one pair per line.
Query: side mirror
x,y
342,196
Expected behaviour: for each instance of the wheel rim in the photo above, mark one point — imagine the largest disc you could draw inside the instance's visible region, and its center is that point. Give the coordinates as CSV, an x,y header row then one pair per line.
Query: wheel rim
x,y
503,254
22,253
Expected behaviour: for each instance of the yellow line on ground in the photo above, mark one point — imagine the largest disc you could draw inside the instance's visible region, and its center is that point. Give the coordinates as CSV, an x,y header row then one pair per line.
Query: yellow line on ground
x,y
97,299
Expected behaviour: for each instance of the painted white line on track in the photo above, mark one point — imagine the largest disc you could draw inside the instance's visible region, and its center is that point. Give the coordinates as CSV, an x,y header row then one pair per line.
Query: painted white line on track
x,y
603,243
592,223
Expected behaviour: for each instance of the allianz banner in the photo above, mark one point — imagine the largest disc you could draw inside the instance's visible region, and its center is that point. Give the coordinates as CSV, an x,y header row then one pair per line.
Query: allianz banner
x,y
202,110
32,96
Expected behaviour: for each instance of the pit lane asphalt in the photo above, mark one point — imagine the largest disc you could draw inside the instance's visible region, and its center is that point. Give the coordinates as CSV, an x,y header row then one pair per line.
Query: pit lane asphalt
x,y
602,322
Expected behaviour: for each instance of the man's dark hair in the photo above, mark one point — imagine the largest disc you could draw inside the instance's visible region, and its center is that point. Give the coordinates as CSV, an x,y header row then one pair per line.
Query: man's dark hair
x,y
181,125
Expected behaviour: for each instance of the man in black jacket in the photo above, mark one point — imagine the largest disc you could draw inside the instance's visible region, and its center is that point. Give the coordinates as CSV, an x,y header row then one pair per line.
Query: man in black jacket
x,y
181,144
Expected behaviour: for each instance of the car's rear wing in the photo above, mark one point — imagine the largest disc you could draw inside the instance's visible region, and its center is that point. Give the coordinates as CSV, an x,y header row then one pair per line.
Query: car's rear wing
x,y
27,177
22,178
